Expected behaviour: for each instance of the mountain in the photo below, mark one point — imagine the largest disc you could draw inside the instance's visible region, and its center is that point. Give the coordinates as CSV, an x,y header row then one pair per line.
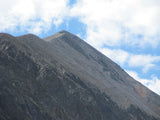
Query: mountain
x,y
61,77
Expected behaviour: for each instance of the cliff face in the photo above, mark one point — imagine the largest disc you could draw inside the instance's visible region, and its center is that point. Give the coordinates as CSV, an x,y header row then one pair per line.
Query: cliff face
x,y
64,78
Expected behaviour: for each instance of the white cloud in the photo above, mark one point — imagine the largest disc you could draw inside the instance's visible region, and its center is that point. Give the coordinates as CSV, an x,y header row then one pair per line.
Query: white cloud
x,y
32,15
145,62
118,56
112,21
152,83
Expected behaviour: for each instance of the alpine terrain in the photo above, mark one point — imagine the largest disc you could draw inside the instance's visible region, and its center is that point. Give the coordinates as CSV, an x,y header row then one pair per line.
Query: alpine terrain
x,y
61,77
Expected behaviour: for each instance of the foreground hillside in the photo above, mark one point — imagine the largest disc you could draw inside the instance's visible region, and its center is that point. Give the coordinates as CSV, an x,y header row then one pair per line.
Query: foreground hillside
x,y
63,78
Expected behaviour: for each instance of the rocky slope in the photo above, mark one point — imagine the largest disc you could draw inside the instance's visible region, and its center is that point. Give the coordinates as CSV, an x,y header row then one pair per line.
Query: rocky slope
x,y
64,78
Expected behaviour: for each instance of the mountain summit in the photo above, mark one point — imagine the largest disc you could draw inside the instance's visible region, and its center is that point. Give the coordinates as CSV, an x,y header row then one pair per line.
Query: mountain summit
x,y
61,77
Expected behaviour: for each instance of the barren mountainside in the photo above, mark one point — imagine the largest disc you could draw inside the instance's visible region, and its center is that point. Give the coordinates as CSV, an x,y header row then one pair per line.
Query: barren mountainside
x,y
61,77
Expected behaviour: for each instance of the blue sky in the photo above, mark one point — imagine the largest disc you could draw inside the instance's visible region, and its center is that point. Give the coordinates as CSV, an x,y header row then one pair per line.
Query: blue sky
x,y
127,31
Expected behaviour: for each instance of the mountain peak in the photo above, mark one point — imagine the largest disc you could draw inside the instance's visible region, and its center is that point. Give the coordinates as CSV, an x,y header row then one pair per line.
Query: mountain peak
x,y
64,31
60,34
